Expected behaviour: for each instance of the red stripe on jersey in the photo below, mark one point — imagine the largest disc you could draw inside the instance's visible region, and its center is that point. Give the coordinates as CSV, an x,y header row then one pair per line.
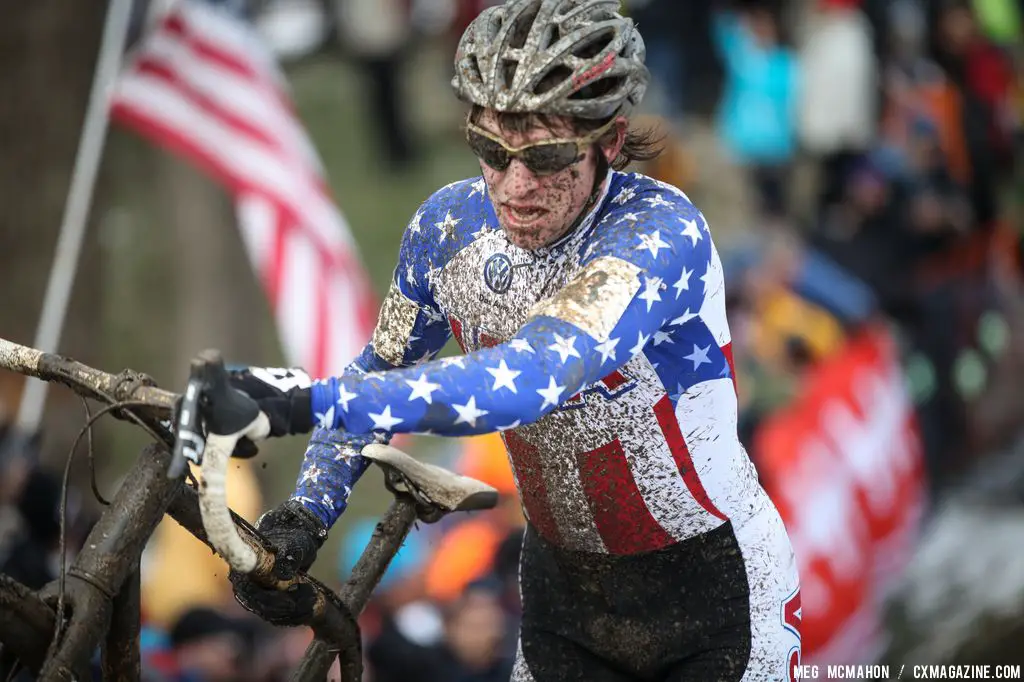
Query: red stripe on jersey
x,y
611,382
457,332
614,380
625,524
532,489
488,341
681,454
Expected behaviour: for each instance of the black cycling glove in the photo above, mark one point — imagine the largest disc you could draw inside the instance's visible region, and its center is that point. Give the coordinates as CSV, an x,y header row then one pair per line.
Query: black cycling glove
x,y
295,535
282,394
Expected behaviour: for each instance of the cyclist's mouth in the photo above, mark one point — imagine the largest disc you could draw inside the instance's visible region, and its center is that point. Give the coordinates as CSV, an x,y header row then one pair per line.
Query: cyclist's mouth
x,y
522,216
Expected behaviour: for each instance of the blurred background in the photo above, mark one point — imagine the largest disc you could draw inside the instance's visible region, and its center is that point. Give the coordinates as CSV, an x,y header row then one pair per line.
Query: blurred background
x,y
858,163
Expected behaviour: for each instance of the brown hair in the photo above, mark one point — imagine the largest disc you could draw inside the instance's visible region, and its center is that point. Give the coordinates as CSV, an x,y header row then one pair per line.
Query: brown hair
x,y
642,144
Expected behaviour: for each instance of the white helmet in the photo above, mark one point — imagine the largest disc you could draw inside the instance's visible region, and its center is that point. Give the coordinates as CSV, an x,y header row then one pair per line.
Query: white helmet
x,y
577,58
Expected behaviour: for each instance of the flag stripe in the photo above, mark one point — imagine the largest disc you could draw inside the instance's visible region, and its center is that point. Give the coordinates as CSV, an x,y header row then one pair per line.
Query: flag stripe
x,y
234,92
154,68
163,112
203,85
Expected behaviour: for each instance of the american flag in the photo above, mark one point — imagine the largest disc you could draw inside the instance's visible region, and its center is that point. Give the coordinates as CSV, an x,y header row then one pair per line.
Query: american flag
x,y
203,84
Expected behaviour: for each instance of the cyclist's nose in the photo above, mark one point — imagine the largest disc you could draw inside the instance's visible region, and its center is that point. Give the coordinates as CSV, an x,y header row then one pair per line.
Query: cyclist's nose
x,y
520,180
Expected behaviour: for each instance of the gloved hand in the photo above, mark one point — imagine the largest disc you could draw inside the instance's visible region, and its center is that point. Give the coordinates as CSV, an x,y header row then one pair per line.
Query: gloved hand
x,y
282,394
295,535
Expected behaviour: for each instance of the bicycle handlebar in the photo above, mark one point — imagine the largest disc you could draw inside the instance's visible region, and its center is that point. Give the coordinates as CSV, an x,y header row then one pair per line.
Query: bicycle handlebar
x,y
228,416
213,503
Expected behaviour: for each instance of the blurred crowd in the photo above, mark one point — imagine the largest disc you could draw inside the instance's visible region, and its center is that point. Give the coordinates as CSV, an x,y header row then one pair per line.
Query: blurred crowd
x,y
856,159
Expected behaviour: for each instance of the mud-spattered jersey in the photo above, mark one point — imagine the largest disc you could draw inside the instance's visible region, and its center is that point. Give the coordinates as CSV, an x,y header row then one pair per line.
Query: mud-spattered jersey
x,y
603,359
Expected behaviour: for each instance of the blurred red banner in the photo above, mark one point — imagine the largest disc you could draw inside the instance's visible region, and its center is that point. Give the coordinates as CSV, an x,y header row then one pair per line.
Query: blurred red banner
x,y
843,463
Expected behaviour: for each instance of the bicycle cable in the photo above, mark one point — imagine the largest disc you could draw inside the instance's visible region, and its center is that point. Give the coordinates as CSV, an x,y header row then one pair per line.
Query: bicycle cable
x,y
62,546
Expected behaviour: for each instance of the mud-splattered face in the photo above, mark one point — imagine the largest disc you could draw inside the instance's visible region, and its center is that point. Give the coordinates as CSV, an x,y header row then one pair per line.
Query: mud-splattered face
x,y
532,210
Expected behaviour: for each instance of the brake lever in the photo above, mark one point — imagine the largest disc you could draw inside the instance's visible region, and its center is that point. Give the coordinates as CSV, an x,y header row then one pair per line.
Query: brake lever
x,y
209,402
189,438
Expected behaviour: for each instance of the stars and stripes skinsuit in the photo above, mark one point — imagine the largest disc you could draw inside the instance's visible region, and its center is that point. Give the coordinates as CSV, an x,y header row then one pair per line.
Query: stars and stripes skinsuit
x,y
652,551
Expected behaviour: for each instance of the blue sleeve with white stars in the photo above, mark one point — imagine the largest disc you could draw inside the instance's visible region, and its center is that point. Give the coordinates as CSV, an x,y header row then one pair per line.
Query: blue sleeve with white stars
x,y
660,243
409,330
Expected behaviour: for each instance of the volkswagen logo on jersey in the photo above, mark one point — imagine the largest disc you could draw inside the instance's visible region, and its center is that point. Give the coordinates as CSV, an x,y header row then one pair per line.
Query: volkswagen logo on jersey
x,y
498,273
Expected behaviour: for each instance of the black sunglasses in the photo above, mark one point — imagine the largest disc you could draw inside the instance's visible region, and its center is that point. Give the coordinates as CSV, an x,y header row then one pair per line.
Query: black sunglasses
x,y
540,158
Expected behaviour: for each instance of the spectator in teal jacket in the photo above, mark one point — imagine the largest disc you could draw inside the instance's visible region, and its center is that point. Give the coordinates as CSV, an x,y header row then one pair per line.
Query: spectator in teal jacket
x,y
757,113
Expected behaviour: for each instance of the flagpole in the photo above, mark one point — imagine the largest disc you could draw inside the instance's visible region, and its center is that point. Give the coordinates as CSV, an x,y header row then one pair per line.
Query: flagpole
x,y
79,201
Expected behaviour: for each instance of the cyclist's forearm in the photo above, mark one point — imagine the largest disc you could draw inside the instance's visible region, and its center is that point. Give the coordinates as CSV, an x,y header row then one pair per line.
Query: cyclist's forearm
x,y
329,471
508,385
332,464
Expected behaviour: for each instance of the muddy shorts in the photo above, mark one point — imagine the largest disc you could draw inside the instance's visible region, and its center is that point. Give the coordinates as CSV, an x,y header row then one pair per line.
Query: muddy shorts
x,y
712,607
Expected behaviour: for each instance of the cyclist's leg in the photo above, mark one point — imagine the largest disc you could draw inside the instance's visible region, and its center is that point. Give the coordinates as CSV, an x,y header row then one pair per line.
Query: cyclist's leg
x,y
553,644
547,657
770,647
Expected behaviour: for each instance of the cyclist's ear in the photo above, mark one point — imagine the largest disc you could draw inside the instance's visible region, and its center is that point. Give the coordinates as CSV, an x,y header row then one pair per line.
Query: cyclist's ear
x,y
611,144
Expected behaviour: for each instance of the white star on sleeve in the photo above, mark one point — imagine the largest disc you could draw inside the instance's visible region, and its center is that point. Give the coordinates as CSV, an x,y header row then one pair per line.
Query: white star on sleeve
x,y
706,277
641,341
311,474
513,425
459,360
684,283
478,188
565,348
423,389
692,230
521,346
503,377
650,293
384,421
447,226
624,195
415,223
652,242
551,394
661,337
344,397
426,357
699,356
607,349
468,413
326,419
657,200
410,275
684,318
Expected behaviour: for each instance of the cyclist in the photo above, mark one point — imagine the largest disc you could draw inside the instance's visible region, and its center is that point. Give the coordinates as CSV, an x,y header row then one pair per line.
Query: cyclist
x,y
590,307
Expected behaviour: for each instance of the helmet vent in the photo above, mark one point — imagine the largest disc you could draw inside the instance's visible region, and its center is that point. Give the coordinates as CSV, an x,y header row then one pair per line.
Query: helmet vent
x,y
598,88
594,45
508,70
554,35
522,26
474,66
553,78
